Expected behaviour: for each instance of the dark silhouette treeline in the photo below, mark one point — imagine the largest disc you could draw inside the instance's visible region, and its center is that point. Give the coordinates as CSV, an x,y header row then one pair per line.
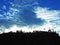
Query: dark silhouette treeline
x,y
35,38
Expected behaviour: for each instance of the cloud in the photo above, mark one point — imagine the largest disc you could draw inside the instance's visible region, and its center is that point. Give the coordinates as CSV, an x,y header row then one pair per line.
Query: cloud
x,y
25,29
4,7
9,18
47,14
50,16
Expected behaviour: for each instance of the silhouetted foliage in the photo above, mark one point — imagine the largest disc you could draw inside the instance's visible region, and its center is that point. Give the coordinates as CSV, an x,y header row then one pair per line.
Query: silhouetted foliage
x,y
35,38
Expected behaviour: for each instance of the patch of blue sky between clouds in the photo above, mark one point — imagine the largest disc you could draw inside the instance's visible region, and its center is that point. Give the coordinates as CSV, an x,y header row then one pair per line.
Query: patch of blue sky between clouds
x,y
52,4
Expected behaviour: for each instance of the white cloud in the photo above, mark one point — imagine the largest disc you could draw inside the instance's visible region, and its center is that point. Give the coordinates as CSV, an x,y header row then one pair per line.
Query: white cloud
x,y
12,12
24,29
50,16
47,14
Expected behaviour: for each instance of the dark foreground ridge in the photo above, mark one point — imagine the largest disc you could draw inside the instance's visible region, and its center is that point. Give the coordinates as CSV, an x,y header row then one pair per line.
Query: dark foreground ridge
x,y
35,38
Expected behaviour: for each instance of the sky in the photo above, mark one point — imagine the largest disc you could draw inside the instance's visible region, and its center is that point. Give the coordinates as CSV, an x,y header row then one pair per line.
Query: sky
x,y
31,15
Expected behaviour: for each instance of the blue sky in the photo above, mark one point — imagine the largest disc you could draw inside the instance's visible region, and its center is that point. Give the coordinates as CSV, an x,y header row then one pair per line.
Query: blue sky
x,y
45,13
53,4
27,16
